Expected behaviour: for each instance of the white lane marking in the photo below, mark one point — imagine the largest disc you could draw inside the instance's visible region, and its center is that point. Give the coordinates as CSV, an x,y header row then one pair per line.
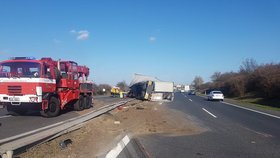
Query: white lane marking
x,y
263,113
118,149
260,133
5,116
190,100
209,113
252,110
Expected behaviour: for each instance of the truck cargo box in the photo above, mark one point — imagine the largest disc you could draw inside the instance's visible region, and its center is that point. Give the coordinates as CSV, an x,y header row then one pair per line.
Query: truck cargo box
x,y
164,86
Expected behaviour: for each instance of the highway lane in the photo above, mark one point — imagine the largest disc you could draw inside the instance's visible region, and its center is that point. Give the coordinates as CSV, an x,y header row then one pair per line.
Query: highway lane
x,y
14,125
248,119
3,112
234,132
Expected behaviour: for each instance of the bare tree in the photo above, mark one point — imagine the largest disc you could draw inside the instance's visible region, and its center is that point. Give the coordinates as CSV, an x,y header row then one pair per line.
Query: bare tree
x,y
266,81
248,66
95,88
216,76
123,86
104,89
197,82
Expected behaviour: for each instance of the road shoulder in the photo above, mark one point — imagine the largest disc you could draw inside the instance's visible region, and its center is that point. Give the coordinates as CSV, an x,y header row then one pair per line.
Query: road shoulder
x,y
250,106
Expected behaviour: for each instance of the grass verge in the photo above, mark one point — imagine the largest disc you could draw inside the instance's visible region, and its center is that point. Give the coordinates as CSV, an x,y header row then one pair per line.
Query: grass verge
x,y
273,105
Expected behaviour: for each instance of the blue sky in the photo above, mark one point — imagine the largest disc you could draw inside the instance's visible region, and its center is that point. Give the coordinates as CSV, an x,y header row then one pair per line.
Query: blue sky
x,y
174,40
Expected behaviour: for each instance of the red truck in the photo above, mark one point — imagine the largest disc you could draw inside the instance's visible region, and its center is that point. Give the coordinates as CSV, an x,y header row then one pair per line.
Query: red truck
x,y
45,85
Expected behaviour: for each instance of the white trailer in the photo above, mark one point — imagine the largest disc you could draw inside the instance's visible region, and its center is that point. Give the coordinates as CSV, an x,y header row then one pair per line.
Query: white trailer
x,y
163,91
164,86
187,88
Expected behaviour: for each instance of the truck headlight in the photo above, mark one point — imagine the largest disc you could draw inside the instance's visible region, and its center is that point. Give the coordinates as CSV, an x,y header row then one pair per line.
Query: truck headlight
x,y
39,91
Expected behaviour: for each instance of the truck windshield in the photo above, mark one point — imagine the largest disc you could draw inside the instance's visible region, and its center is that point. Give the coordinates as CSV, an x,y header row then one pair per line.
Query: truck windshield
x,y
20,69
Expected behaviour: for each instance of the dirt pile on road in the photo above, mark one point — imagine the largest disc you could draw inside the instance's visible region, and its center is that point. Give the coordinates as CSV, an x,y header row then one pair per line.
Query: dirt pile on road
x,y
98,135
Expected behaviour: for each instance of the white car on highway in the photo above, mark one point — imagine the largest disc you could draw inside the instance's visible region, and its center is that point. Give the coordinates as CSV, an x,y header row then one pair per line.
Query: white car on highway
x,y
215,95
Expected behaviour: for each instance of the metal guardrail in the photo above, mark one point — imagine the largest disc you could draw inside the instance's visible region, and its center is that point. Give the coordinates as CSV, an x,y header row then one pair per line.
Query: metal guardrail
x,y
8,145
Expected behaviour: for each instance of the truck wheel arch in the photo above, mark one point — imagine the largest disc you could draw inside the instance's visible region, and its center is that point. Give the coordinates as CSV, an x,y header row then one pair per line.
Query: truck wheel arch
x,y
53,109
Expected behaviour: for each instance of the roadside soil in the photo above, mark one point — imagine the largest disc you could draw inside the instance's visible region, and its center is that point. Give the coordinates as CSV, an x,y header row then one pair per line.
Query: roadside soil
x,y
100,135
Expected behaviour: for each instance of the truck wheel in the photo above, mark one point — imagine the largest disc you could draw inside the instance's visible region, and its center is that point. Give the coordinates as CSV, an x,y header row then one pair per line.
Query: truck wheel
x,y
53,108
88,102
79,105
16,111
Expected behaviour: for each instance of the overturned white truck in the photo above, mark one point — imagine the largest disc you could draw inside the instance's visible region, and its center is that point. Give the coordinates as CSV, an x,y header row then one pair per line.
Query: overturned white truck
x,y
150,88
163,91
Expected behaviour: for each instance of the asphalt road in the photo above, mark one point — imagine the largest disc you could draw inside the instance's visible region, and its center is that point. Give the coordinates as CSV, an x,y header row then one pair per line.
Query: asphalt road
x,y
14,125
231,132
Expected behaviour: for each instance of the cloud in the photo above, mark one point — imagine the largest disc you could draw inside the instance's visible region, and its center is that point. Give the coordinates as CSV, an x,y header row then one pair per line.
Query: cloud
x,y
152,39
81,35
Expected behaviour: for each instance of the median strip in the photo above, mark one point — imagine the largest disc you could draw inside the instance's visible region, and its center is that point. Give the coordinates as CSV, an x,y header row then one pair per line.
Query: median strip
x,y
10,144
